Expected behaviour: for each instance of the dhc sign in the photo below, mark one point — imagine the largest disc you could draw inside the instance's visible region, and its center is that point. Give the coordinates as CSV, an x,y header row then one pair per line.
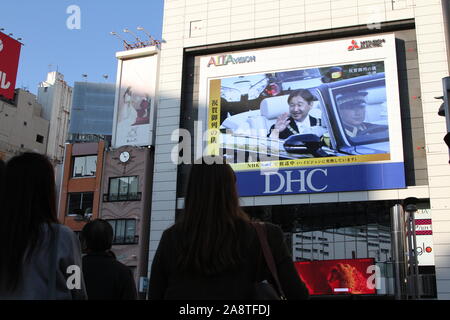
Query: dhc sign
x,y
324,179
300,180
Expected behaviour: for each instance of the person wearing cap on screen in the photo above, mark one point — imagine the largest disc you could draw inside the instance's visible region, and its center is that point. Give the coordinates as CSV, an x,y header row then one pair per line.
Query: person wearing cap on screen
x,y
352,108
298,120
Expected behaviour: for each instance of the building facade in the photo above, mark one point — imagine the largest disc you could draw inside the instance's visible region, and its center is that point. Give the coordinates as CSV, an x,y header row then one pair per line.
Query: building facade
x,y
55,96
80,192
125,204
22,126
205,37
91,116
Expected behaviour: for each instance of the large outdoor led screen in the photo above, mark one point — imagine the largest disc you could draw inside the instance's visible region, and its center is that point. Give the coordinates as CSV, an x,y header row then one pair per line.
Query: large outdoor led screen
x,y
316,117
348,276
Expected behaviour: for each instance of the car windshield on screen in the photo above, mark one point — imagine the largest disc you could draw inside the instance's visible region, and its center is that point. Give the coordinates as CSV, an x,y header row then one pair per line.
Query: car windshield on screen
x,y
298,74
362,111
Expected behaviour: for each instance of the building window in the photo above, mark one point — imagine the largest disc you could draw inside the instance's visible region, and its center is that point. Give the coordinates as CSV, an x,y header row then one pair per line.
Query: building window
x,y
80,203
123,189
25,123
40,138
84,166
124,231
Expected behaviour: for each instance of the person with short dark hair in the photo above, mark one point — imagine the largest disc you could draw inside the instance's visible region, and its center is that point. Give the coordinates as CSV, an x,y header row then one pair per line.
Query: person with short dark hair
x,y
298,120
36,251
213,252
105,277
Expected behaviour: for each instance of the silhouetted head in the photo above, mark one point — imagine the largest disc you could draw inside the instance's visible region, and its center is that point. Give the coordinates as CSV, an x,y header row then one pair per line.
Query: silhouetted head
x,y
212,192
97,236
31,191
29,202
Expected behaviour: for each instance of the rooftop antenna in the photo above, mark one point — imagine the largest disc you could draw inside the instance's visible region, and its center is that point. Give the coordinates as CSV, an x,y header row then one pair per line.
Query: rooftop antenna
x,y
125,43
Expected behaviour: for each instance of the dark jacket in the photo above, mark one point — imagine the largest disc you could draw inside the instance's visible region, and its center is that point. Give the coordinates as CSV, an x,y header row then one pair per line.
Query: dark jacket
x,y
168,282
293,129
107,279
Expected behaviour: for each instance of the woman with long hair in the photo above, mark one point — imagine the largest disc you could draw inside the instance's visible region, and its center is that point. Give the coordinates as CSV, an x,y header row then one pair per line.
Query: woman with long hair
x,y
35,250
213,251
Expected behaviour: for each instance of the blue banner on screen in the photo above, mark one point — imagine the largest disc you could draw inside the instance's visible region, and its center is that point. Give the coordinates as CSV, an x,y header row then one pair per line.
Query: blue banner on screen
x,y
322,179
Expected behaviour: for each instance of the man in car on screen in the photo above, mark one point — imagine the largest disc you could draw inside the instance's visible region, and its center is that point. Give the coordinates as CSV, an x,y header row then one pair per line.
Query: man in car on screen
x,y
352,109
298,120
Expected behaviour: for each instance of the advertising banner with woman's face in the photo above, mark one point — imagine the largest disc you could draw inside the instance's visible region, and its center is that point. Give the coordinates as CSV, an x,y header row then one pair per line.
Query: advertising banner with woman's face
x,y
316,117
135,101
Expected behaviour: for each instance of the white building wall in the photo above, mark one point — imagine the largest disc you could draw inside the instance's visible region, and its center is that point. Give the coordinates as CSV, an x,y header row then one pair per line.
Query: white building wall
x,y
190,23
20,125
433,65
55,95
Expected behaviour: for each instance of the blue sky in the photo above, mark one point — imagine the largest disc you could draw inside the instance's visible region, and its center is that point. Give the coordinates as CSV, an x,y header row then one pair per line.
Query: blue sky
x,y
49,44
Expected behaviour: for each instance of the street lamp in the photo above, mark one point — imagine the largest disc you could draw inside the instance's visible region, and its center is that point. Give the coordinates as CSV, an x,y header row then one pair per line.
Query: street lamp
x,y
146,32
152,40
134,35
125,43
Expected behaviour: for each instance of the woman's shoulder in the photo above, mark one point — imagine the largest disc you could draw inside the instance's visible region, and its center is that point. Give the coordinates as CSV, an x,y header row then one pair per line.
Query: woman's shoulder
x,y
271,228
63,231
66,238
170,233
274,232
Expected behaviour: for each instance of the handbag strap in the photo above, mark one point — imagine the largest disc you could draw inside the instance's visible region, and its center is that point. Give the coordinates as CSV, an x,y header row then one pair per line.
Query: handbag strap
x,y
262,236
52,262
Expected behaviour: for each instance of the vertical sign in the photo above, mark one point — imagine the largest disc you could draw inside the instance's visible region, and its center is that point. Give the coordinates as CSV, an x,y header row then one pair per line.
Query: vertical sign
x,y
214,118
9,63
424,237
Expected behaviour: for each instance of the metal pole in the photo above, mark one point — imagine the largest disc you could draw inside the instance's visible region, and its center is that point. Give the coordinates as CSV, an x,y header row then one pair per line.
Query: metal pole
x,y
398,251
411,282
415,259
413,278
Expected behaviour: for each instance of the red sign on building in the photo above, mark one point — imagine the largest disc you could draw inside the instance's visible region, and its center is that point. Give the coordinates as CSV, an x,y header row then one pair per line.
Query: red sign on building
x,y
9,63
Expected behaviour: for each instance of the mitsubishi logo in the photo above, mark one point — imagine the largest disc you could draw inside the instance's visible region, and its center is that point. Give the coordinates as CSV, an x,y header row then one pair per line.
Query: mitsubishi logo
x,y
368,44
353,46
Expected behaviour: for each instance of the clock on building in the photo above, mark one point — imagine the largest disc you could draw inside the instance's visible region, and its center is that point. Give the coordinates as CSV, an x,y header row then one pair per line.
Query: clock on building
x,y
124,156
